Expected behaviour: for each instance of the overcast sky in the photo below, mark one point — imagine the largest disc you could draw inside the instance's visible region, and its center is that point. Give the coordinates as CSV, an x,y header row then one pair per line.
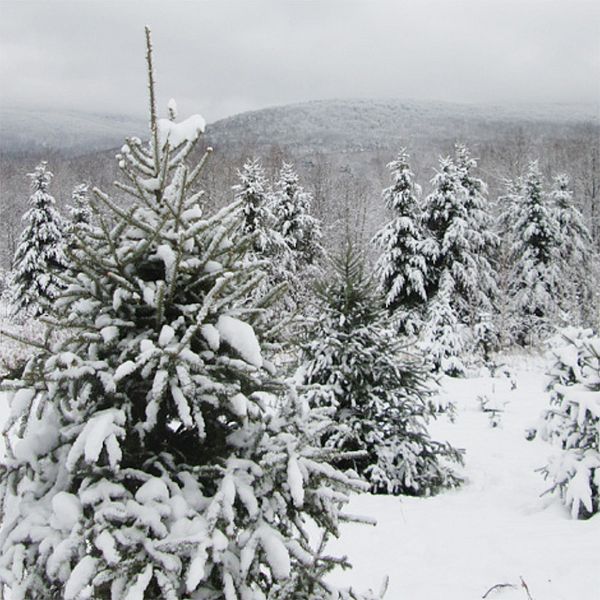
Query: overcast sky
x,y
223,57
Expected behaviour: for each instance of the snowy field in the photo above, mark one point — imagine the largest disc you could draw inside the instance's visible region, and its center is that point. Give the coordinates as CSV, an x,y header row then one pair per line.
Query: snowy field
x,y
494,530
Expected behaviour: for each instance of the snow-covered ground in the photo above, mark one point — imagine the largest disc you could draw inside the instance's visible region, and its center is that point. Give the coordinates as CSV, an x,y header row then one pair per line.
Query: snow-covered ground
x,y
494,530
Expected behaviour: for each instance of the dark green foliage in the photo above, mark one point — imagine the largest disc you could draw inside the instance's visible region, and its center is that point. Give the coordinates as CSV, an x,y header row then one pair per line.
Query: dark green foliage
x,y
380,394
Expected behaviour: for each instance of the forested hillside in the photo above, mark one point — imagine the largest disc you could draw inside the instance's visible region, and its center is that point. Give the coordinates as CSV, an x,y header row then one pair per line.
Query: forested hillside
x,y
339,147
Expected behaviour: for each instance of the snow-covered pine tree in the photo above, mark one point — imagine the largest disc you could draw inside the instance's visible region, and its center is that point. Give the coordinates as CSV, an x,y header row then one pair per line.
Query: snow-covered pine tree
x,y
508,204
535,279
484,244
293,221
578,293
143,458
269,247
40,254
406,253
460,274
455,213
443,337
79,211
572,422
252,191
381,394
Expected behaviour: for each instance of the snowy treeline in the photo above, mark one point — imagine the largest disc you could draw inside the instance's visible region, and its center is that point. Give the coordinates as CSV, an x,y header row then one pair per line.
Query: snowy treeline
x,y
328,144
455,266
462,282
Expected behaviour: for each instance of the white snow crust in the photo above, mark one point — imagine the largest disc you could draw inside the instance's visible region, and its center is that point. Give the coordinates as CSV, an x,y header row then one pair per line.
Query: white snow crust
x,y
178,133
66,511
241,337
493,530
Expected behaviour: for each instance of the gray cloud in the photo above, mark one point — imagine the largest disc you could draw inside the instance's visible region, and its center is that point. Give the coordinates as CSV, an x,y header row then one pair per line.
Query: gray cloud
x,y
224,57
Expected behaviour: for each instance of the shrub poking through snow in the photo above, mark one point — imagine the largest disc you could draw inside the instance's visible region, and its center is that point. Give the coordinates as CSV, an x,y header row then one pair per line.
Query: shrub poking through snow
x,y
142,460
379,394
573,423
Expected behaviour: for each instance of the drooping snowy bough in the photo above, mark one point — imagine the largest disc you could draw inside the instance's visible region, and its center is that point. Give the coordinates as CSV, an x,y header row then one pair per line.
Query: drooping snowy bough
x,y
142,460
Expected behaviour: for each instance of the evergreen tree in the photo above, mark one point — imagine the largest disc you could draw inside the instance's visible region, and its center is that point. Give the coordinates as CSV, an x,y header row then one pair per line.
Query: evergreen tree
x,y
293,221
269,249
406,254
461,285
508,206
443,339
480,232
143,461
380,395
575,248
40,254
535,281
80,212
453,269
253,193
572,422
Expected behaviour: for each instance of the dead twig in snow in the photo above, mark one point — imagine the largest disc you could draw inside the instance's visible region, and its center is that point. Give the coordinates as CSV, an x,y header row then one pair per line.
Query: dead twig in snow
x,y
497,587
524,586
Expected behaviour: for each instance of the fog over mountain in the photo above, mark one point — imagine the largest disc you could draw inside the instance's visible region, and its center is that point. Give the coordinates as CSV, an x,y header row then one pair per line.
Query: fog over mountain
x,y
326,125
70,132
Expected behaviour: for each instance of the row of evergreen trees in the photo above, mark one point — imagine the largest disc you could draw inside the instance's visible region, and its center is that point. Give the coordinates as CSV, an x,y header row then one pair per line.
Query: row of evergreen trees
x,y
285,233
453,277
459,280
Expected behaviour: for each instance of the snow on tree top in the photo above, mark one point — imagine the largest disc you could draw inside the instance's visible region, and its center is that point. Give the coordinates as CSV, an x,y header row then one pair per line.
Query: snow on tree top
x,y
178,133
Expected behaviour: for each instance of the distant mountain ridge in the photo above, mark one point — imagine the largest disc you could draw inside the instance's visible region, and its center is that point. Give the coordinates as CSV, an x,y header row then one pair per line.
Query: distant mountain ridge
x,y
70,132
350,125
328,125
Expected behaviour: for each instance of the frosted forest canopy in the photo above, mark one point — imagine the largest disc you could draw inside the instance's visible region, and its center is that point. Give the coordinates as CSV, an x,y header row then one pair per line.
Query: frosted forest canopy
x,y
340,150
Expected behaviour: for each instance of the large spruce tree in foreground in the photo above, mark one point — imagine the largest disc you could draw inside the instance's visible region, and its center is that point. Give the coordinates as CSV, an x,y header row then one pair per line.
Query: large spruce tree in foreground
x,y
145,457
380,395
39,257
